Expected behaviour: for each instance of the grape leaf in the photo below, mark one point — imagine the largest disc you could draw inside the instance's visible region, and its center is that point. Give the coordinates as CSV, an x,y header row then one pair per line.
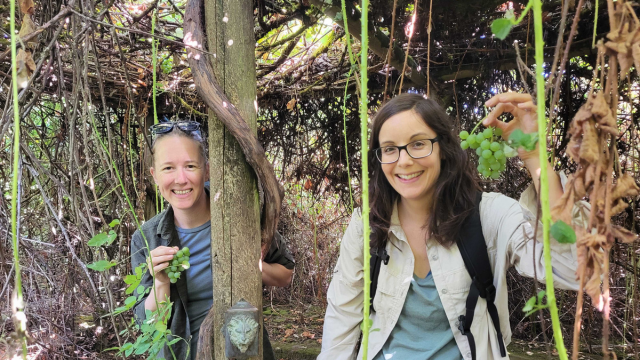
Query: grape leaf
x,y
114,223
530,304
563,233
102,239
101,265
501,28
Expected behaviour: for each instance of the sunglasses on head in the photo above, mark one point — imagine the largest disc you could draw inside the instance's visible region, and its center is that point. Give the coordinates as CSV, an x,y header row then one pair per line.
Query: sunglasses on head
x,y
166,127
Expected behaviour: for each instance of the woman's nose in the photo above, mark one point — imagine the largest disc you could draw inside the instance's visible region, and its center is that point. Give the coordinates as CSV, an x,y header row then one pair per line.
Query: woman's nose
x,y
404,158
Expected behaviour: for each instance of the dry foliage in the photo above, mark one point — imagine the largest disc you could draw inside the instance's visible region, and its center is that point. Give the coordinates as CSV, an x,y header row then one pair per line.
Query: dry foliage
x,y
594,133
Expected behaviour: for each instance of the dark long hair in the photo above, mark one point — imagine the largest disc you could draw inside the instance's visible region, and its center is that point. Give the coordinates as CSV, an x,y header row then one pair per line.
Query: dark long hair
x,y
455,189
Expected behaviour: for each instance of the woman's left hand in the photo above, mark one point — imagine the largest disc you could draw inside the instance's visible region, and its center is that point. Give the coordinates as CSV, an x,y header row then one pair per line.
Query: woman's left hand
x,y
522,108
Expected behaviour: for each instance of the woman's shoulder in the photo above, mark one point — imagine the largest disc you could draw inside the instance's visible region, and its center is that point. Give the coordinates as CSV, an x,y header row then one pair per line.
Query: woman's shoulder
x,y
495,206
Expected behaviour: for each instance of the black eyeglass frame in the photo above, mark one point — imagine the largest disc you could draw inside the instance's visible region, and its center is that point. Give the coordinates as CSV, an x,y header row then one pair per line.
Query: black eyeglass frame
x,y
405,148
189,127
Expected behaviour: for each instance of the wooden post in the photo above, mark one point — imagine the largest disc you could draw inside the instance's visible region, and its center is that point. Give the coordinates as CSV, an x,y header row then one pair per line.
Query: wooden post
x,y
235,214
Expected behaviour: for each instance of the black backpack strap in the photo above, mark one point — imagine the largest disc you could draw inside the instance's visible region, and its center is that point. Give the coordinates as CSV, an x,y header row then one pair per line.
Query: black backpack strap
x,y
375,263
473,249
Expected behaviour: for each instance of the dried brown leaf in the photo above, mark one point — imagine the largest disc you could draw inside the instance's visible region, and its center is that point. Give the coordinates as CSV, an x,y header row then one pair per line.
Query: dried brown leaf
x,y
589,149
626,186
288,333
623,234
291,104
578,185
635,52
25,67
599,106
28,27
27,7
573,148
592,288
619,206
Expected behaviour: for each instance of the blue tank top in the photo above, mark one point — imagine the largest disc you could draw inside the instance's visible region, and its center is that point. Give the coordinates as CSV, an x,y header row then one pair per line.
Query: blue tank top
x,y
422,331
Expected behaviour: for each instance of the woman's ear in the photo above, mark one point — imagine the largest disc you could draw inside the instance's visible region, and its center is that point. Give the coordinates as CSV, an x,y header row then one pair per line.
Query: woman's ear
x,y
153,174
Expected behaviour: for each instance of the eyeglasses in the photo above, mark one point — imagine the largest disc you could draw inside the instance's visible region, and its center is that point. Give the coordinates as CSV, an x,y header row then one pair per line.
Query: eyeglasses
x,y
416,149
189,127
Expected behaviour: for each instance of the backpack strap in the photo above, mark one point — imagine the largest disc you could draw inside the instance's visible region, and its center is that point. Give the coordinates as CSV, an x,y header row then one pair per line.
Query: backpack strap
x,y
375,263
473,249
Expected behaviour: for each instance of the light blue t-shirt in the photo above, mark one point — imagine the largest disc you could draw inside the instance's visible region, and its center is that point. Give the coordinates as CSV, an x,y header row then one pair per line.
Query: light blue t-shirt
x,y
199,277
422,331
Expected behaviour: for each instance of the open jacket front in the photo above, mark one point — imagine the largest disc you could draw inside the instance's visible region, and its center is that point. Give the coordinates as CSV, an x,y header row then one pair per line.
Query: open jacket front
x,y
507,229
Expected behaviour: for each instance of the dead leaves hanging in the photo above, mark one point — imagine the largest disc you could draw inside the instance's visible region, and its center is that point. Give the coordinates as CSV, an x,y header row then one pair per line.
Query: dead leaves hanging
x,y
624,42
25,67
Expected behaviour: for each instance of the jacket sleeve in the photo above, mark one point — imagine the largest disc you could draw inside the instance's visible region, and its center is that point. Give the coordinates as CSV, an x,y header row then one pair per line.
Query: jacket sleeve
x,y
139,256
345,297
526,253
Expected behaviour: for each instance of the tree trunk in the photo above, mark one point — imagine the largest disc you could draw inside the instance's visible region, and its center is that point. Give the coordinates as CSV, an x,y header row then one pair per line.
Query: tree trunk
x,y
235,215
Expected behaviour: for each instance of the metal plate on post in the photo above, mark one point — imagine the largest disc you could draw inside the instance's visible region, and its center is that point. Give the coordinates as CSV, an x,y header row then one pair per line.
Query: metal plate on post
x,y
241,331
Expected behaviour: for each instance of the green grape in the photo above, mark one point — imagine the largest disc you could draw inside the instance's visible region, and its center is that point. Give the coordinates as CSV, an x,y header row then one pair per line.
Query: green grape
x,y
471,139
186,251
495,174
495,146
479,151
464,145
503,167
499,154
173,280
487,133
474,146
179,253
486,173
487,154
481,168
483,161
185,265
174,262
479,137
502,160
494,163
464,135
174,268
485,145
498,132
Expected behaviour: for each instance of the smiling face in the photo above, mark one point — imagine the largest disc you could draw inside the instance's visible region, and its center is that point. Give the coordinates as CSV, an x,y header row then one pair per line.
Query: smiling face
x,y
180,172
413,179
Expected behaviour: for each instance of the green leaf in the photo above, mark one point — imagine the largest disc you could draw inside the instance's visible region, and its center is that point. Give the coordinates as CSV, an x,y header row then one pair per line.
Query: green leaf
x,y
509,151
501,28
541,295
101,265
130,279
563,233
161,326
102,239
530,304
114,223
362,324
174,341
509,14
338,17
516,137
130,300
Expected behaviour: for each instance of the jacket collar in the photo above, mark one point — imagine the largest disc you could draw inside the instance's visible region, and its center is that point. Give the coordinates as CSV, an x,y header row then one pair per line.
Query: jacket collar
x,y
395,226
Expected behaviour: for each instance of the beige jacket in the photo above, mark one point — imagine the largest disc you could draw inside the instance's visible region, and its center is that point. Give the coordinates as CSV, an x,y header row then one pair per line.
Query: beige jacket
x,y
506,226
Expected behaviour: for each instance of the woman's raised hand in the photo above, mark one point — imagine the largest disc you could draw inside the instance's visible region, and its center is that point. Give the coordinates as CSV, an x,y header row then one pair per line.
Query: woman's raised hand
x,y
161,257
522,108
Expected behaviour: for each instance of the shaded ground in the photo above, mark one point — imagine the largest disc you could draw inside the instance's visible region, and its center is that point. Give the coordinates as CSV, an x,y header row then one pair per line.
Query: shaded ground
x,y
296,334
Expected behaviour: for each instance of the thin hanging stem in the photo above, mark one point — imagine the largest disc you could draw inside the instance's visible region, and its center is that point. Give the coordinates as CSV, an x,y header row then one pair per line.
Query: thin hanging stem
x,y
344,132
429,45
364,122
19,301
544,179
406,55
388,62
154,65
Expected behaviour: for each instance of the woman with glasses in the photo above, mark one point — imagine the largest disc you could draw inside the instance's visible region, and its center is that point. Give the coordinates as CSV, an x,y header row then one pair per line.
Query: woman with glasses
x,y
181,170
422,188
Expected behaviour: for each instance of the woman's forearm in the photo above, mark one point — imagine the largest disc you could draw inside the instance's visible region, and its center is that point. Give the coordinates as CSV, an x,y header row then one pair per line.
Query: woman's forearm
x,y
162,292
532,162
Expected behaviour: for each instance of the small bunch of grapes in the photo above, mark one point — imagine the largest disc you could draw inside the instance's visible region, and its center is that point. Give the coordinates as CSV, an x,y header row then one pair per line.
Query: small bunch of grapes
x,y
491,150
179,264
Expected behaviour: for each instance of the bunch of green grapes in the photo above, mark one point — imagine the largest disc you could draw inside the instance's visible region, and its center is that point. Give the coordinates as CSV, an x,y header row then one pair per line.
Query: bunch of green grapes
x,y
179,264
491,150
